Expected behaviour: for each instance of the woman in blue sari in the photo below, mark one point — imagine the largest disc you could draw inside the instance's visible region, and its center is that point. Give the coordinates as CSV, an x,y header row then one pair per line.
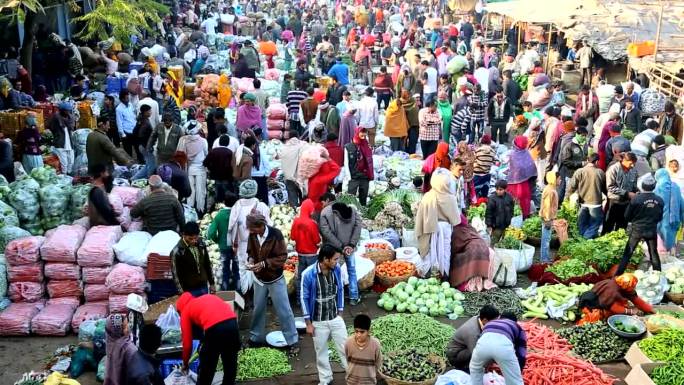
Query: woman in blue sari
x,y
673,212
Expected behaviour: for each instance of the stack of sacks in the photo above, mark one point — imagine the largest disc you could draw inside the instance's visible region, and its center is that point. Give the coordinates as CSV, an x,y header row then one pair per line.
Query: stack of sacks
x,y
209,89
16,319
310,161
159,266
89,311
276,121
96,257
123,280
131,248
25,270
130,196
59,251
53,320
242,85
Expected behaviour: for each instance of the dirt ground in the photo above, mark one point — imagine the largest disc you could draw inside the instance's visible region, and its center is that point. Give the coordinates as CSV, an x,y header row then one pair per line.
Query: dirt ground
x,y
19,355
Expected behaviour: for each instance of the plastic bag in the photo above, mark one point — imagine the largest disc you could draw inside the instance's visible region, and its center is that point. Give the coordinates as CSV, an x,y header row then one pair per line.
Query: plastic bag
x,y
8,216
89,311
96,292
87,331
126,279
79,198
16,319
169,323
130,196
24,250
125,218
62,271
390,235
9,233
53,320
61,246
32,272
101,368
71,288
190,213
162,243
3,279
502,270
310,161
95,274
178,378
54,200
24,199
650,291
97,249
453,377
26,291
131,248
658,322
522,259
81,362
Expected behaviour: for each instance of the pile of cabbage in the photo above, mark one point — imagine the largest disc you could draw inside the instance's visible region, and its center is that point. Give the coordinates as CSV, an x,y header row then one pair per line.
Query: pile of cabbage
x,y
282,217
212,248
425,296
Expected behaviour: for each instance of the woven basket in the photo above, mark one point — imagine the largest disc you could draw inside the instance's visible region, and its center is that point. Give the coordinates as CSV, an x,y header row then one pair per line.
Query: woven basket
x,y
367,280
432,358
676,298
391,281
379,256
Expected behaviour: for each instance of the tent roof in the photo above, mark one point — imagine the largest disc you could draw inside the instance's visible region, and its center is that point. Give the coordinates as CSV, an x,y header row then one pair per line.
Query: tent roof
x,y
546,11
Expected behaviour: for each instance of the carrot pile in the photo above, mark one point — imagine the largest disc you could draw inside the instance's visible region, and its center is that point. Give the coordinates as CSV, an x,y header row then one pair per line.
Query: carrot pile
x,y
378,246
291,264
558,368
541,338
394,268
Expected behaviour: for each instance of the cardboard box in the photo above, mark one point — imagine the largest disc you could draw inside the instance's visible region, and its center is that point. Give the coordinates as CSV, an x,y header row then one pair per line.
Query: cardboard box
x,y
636,357
232,297
640,374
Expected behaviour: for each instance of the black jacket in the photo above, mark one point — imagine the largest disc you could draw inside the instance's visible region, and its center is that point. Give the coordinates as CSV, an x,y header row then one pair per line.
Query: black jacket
x,y
191,274
644,212
491,111
499,211
143,369
512,91
571,158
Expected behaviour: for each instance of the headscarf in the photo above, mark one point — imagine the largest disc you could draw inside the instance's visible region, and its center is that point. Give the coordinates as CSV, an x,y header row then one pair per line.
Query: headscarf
x,y
568,126
442,159
671,195
248,116
119,348
605,135
248,189
438,203
365,161
522,167
486,139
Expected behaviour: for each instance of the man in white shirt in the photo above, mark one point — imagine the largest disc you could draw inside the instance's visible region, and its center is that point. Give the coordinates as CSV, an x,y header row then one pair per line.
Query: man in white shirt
x,y
429,82
482,76
585,55
146,100
367,114
209,25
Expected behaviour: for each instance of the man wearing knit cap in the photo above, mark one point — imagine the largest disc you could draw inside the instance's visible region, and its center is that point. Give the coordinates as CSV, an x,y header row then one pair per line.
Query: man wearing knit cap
x,y
644,212
160,210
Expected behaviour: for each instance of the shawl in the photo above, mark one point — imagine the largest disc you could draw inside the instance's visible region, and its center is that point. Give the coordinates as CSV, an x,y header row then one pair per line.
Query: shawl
x,y
466,153
365,162
438,203
248,117
442,159
347,128
396,124
469,255
671,195
522,167
119,349
446,111
605,135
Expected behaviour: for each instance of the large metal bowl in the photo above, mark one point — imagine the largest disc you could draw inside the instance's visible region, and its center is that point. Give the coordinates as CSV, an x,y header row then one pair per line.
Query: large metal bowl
x,y
628,321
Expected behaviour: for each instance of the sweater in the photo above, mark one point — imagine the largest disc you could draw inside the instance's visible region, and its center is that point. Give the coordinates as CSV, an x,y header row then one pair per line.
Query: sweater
x,y
644,212
340,225
460,347
204,311
218,229
590,184
101,150
219,163
499,211
549,203
273,252
620,183
485,156
512,331
305,230
363,364
191,272
309,289
159,211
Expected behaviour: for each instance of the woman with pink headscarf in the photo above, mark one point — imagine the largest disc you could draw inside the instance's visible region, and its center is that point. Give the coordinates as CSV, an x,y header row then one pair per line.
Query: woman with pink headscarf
x,y
522,174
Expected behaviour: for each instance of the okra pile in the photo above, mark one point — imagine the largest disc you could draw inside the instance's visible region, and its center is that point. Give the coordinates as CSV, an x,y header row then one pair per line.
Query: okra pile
x,y
595,342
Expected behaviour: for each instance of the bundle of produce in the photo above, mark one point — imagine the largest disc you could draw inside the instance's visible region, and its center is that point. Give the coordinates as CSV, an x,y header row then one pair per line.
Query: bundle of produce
x,y
96,292
276,111
503,299
532,227
62,271
79,198
595,342
89,311
9,233
74,302
675,277
569,212
651,286
425,296
216,264
670,374
130,196
125,218
24,199
26,291
390,217
126,279
117,204
397,332
16,319
62,244
8,216
95,274
282,217
411,366
406,198
509,242
97,249
666,346
209,88
538,273
44,175
71,288
23,251
541,338
310,161
83,222
3,277
555,301
31,272
390,273
53,320
54,200
353,201
255,363
658,322
602,252
131,247
558,368
406,169
476,211
570,268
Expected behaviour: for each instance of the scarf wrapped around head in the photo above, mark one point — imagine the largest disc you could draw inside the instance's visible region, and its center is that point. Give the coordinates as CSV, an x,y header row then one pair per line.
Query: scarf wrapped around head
x,y
438,203
365,161
119,348
442,159
522,167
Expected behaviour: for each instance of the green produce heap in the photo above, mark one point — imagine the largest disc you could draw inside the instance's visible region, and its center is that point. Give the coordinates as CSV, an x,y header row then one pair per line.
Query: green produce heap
x,y
595,342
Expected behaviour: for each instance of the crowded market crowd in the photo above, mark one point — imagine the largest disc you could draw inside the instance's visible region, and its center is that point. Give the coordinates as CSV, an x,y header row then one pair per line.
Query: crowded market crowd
x,y
231,111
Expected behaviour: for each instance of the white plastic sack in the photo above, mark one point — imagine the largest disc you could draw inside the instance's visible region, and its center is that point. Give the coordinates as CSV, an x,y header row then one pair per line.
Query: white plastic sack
x,y
363,267
453,377
522,259
517,222
162,243
178,378
408,238
502,270
131,248
493,378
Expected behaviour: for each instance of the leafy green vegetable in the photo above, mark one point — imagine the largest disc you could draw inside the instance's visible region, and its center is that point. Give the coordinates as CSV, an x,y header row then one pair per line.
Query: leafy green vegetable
x,y
509,242
351,200
405,198
569,212
517,211
604,251
532,227
476,212
570,268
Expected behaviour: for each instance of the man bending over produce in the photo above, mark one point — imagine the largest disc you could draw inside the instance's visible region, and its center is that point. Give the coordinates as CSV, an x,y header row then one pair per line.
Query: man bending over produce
x,y
461,346
610,297
504,342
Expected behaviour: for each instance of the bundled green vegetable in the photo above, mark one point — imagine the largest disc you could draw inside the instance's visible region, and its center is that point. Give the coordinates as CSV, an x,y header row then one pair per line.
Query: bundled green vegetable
x,y
24,199
509,242
410,365
44,175
604,251
351,200
666,346
517,211
595,342
255,363
79,197
503,299
8,217
670,374
476,212
569,212
406,198
570,268
532,227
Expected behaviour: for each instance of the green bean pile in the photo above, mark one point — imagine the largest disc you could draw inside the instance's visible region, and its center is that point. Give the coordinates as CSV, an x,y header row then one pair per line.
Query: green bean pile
x,y
254,363
595,342
666,346
503,299
670,374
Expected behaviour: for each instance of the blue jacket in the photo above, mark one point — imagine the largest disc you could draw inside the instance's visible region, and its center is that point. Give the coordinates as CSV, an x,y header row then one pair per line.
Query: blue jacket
x,y
341,72
309,289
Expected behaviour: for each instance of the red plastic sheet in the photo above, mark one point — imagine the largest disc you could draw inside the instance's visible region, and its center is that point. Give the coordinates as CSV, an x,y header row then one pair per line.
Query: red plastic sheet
x,y
53,320
62,271
62,244
16,319
126,279
26,273
537,274
96,292
26,291
95,274
95,310
69,288
24,250
97,249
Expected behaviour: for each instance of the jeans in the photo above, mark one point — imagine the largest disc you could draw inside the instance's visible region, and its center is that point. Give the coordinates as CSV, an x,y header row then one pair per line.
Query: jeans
x,y
384,98
545,243
495,347
412,140
281,304
589,220
150,164
231,272
222,339
351,270
397,144
428,147
362,186
427,97
499,133
304,262
634,238
336,330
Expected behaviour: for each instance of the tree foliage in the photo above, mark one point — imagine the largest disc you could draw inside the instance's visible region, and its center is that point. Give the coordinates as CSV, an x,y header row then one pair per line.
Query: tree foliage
x,y
120,19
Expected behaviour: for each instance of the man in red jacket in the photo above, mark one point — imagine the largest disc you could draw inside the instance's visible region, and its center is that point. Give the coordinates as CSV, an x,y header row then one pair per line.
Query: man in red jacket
x,y
306,237
335,152
320,181
221,336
